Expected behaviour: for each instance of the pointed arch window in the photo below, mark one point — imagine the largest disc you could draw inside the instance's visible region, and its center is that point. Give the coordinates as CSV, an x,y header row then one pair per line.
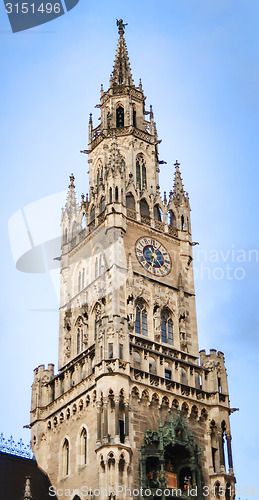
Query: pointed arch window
x,y
158,214
65,458
141,319
141,173
110,195
92,214
166,328
130,201
183,223
134,116
102,205
83,446
120,117
171,220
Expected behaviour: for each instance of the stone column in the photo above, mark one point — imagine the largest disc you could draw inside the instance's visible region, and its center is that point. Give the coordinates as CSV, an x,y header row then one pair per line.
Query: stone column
x,y
230,459
99,415
117,423
126,419
105,419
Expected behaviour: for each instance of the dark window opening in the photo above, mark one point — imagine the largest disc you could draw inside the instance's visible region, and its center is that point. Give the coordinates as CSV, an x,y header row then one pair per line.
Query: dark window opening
x,y
134,117
119,117
116,194
122,432
121,351
110,351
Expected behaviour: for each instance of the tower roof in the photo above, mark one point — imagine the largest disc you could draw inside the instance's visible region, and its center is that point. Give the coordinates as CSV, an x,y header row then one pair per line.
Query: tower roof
x,y
121,74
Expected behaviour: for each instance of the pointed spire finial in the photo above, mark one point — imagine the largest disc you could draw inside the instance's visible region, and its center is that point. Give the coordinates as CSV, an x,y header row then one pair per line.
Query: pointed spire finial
x,y
121,26
121,74
72,178
27,491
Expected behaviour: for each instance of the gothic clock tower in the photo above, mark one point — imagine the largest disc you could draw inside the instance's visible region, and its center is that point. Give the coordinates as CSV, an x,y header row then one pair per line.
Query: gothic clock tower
x,y
133,404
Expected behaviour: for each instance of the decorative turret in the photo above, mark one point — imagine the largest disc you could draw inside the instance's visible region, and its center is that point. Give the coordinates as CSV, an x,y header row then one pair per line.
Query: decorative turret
x,y
71,218
178,191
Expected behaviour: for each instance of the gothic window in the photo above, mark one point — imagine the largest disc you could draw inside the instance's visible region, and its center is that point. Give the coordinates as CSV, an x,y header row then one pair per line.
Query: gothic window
x,y
166,328
119,117
83,222
158,214
79,281
141,319
171,220
182,223
152,365
130,201
98,180
116,194
110,195
144,209
183,376
110,351
83,446
65,458
134,115
168,371
78,341
141,173
92,214
121,351
65,236
136,360
102,205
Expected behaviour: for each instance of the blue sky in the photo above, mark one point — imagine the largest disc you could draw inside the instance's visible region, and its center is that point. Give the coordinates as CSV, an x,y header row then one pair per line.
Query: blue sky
x,y
198,61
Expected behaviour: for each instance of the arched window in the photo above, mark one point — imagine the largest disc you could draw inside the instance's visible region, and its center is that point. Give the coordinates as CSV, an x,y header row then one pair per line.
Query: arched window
x,y
78,341
110,195
168,371
130,201
83,221
171,220
65,458
183,376
119,117
166,328
158,214
141,319
116,194
102,205
98,180
141,173
92,214
152,365
134,115
182,223
83,446
144,209
136,360
79,281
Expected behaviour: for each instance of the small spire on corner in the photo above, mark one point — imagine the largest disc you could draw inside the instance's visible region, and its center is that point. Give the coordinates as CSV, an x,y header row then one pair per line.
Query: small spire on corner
x,y
27,490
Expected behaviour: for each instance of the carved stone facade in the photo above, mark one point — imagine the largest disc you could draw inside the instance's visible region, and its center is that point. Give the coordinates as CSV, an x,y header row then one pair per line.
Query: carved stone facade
x,y
133,404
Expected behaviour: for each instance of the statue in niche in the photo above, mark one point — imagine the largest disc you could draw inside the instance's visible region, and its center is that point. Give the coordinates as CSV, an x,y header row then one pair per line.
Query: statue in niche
x,y
157,323
130,309
67,336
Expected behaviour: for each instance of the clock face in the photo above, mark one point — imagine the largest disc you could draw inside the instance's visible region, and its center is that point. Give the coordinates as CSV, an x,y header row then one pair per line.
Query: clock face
x,y
153,256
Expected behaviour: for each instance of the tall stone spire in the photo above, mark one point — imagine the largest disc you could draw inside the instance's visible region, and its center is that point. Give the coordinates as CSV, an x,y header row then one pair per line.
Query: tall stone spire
x,y
121,74
71,204
27,491
178,191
